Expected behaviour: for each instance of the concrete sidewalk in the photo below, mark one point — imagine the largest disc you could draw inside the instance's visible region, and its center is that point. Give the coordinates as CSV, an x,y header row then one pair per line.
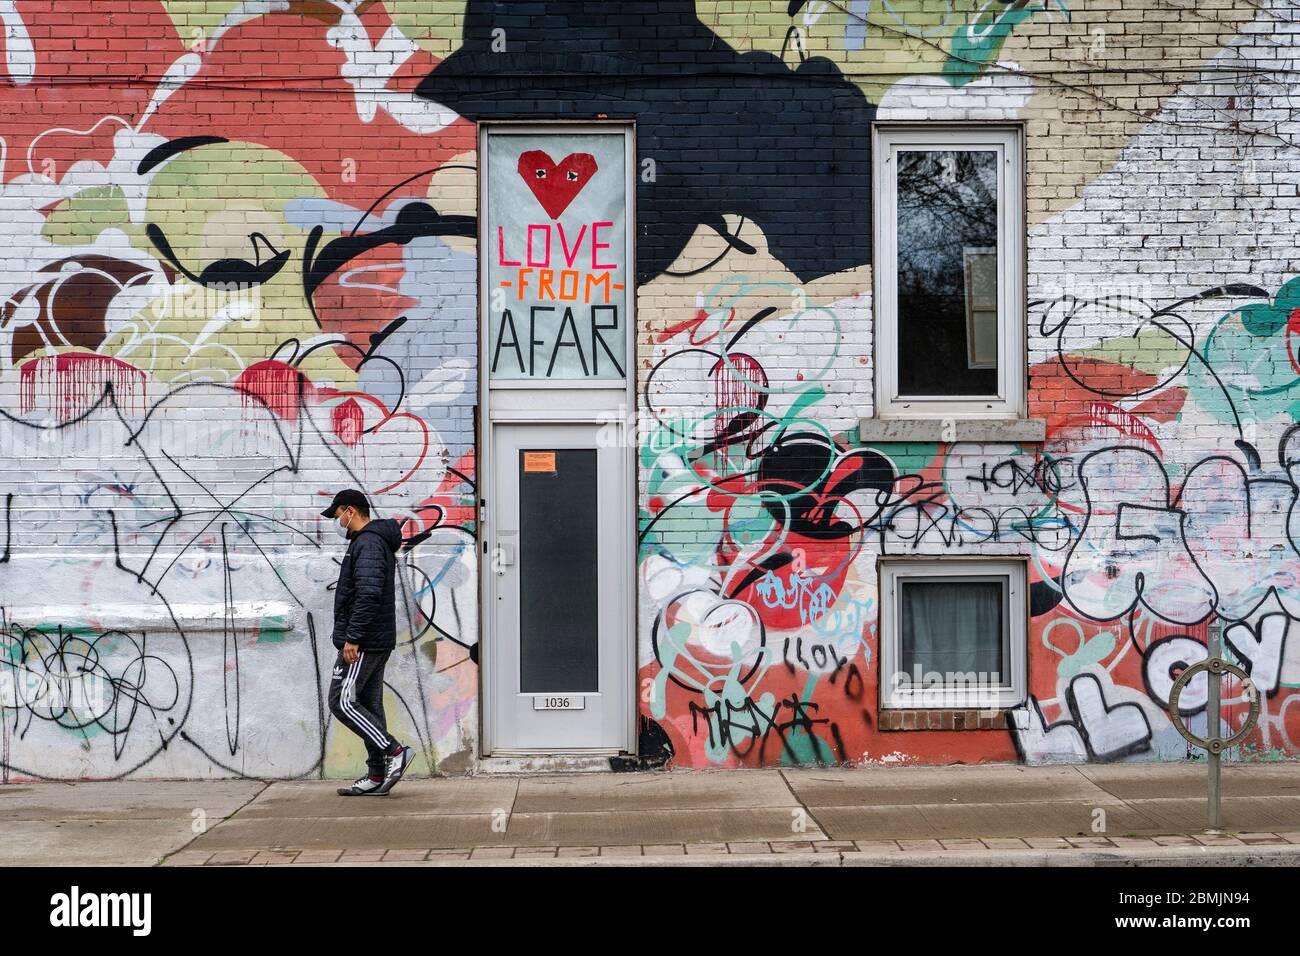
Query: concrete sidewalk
x,y
900,816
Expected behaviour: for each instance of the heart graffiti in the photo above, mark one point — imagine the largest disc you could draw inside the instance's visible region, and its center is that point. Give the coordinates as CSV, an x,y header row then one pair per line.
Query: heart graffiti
x,y
556,184
1110,731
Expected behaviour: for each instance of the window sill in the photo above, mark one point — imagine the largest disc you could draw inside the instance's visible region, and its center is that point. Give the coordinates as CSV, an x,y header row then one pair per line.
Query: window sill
x,y
952,429
921,719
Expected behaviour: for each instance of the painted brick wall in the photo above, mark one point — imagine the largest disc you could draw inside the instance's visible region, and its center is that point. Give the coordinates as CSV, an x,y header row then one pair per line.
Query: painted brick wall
x,y
168,445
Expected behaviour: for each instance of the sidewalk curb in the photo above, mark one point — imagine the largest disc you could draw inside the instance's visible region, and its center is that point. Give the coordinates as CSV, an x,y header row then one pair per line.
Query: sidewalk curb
x,y
1206,856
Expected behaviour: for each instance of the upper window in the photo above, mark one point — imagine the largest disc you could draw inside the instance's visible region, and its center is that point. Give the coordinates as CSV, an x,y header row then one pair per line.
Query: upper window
x,y
952,634
949,272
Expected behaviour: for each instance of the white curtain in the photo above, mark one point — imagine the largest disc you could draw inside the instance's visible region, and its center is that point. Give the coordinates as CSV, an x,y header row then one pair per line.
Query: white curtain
x,y
951,627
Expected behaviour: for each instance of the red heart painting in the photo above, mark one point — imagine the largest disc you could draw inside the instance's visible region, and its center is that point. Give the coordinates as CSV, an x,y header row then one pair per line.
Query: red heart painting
x,y
556,185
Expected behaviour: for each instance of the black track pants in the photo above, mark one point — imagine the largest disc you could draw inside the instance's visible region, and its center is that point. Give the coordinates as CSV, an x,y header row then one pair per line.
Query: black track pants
x,y
357,700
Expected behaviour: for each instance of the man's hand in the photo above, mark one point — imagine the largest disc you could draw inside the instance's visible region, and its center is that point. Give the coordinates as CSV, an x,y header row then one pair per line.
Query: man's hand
x,y
350,653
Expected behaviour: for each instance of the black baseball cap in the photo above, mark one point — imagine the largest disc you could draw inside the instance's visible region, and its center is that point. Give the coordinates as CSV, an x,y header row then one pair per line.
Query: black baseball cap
x,y
347,497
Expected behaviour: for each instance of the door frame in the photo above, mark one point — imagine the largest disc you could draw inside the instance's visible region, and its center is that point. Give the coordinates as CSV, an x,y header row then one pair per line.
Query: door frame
x,y
556,413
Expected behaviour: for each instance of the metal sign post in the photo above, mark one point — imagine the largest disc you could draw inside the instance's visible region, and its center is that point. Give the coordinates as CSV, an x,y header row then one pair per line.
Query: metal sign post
x,y
1215,667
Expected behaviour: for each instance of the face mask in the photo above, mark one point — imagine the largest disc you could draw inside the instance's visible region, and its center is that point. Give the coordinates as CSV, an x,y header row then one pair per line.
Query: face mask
x,y
341,530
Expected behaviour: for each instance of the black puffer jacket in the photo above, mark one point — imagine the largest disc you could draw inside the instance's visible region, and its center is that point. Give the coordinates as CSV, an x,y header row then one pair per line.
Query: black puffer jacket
x,y
365,611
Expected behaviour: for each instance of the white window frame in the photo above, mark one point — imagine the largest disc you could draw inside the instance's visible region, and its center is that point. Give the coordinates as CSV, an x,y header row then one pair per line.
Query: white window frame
x,y
1012,692
1007,142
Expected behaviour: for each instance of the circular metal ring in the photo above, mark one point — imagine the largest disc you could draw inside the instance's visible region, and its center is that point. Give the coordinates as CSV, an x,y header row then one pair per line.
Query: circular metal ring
x,y
1217,666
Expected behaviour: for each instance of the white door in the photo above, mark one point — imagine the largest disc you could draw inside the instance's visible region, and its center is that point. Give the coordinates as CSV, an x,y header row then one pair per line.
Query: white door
x,y
558,662
557,310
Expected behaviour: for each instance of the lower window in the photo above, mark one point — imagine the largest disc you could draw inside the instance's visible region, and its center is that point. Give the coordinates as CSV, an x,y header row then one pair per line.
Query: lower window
x,y
952,634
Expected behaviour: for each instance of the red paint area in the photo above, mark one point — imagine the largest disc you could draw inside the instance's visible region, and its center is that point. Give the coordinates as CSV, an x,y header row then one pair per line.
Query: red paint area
x,y
554,184
278,386
362,298
348,421
303,107
840,718
70,383
91,83
1058,392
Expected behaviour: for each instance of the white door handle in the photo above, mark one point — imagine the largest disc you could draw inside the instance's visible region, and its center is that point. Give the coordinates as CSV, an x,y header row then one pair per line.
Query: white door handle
x,y
503,557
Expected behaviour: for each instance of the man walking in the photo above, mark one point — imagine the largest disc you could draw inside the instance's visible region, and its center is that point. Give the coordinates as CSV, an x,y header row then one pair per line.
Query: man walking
x,y
365,632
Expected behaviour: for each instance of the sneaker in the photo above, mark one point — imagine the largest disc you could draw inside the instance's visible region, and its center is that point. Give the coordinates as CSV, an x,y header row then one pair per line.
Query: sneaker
x,y
362,787
396,767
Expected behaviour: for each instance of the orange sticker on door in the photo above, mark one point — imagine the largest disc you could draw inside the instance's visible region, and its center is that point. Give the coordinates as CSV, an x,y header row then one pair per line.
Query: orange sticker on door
x,y
539,461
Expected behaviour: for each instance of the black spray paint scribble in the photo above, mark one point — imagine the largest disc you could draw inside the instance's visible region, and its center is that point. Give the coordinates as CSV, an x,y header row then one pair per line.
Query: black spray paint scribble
x,y
179,527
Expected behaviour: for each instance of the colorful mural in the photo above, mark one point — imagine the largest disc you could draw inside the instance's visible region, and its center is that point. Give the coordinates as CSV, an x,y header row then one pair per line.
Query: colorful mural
x,y
241,270
223,299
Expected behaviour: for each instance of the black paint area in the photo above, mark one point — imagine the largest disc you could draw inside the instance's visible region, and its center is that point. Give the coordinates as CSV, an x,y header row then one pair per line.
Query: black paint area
x,y
558,587
1044,596
808,471
654,749
725,132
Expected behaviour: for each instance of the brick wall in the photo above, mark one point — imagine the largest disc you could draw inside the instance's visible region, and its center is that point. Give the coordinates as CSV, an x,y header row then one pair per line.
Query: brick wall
x,y
169,444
